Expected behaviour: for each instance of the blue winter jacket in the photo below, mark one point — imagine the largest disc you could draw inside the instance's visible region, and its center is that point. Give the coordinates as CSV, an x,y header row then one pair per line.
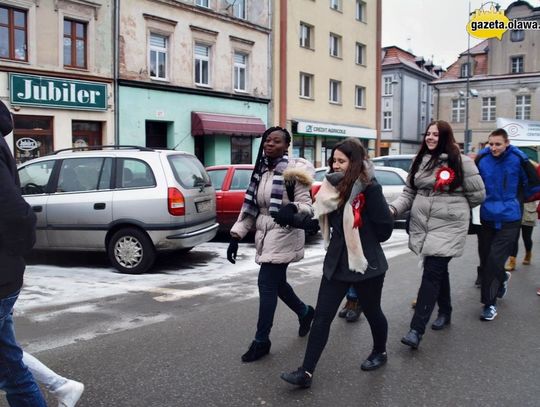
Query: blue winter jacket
x,y
505,180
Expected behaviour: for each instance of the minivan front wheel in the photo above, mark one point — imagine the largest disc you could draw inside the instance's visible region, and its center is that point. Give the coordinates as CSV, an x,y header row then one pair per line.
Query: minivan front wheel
x,y
131,251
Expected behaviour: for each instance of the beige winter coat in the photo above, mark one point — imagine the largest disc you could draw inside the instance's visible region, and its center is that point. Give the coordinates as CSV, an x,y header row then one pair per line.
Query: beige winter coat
x,y
440,220
274,243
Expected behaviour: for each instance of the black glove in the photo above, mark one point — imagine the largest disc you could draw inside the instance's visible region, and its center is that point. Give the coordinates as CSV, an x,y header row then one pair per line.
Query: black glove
x,y
232,250
304,221
285,216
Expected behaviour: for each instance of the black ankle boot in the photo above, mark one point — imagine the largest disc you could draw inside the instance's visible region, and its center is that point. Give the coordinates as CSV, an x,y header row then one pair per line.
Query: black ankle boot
x,y
441,321
299,378
374,361
256,351
412,339
305,321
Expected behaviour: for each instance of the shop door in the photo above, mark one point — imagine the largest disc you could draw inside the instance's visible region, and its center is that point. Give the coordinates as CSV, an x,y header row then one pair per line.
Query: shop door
x,y
156,134
85,134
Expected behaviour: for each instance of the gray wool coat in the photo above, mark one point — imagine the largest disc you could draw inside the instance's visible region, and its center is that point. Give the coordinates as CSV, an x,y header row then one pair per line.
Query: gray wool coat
x,y
440,219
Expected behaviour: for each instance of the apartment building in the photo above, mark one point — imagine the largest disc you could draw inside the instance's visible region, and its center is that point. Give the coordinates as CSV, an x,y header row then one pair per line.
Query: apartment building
x,y
56,74
504,81
195,76
406,101
326,59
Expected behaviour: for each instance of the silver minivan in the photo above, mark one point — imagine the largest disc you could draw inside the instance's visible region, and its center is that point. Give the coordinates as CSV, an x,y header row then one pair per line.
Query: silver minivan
x,y
130,202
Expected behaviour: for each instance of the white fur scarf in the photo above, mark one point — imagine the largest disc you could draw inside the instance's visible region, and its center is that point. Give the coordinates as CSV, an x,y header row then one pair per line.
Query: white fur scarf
x,y
327,201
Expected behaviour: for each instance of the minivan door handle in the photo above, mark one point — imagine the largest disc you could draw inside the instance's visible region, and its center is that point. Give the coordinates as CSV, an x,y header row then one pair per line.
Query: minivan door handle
x,y
99,206
37,208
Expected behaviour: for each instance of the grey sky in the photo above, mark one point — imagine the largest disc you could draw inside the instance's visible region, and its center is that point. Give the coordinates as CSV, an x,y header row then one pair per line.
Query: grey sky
x,y
431,28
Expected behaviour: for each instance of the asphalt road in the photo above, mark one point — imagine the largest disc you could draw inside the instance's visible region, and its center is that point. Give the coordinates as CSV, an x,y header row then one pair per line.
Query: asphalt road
x,y
192,356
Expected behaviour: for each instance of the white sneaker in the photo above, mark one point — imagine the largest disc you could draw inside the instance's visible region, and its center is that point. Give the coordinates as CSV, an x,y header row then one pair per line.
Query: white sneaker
x,y
69,393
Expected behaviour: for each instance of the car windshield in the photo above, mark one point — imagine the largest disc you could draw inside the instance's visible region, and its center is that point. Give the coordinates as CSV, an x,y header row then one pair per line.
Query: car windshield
x,y
188,171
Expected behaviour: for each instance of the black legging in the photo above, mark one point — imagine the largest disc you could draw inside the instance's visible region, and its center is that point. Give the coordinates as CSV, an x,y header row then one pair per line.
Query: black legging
x,y
526,232
331,294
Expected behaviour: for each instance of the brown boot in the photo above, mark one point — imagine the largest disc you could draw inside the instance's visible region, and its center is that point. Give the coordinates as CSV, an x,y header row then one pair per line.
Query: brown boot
x,y
527,258
511,265
349,305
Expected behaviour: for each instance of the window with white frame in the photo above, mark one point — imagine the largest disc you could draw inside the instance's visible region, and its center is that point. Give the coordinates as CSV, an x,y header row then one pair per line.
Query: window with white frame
x,y
240,71
387,120
523,107
423,92
517,64
335,5
203,3
360,10
465,70
335,45
360,54
306,35
488,108
306,85
458,110
239,9
360,96
335,91
387,86
517,35
202,64
158,56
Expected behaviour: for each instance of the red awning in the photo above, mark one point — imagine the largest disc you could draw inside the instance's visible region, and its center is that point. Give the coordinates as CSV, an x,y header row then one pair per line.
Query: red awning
x,y
211,123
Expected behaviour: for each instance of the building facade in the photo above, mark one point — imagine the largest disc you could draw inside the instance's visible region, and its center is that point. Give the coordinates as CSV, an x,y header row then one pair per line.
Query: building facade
x,y
195,76
406,100
504,81
56,74
325,73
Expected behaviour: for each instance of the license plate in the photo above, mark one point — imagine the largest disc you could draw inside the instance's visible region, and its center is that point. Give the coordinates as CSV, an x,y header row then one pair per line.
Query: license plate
x,y
204,206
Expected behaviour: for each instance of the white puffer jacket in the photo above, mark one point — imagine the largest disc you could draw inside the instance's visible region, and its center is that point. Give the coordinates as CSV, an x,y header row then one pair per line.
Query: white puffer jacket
x,y
274,243
440,220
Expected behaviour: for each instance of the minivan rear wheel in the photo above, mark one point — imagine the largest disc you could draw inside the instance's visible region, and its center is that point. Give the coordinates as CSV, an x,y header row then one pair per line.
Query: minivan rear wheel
x,y
131,251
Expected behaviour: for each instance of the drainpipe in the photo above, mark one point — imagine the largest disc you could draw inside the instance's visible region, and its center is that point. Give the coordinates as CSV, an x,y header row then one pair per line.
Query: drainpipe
x,y
378,72
270,56
402,79
283,63
116,68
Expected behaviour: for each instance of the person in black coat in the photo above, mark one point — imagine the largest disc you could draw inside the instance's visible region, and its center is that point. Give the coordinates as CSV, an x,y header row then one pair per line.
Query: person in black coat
x,y
350,205
17,236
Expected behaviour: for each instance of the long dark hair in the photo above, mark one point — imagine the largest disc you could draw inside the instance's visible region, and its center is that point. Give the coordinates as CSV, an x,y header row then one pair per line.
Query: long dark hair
x,y
260,159
356,153
447,144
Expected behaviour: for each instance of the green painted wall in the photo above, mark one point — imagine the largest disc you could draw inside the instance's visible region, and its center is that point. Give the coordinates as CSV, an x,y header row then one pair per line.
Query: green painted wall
x,y
139,105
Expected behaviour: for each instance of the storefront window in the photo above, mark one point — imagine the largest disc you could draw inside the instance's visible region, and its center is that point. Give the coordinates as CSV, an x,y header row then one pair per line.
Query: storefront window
x,y
304,146
32,136
86,134
241,150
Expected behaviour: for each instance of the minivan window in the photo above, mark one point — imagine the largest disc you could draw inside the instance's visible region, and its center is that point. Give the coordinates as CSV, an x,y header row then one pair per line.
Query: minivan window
x,y
188,171
217,177
35,177
132,173
79,174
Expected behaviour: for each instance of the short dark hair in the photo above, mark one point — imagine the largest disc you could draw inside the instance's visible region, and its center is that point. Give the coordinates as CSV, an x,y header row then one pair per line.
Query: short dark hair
x,y
500,132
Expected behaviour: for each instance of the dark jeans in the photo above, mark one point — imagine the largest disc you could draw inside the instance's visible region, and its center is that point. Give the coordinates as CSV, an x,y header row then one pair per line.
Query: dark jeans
x,y
495,247
435,288
526,233
273,284
15,379
331,294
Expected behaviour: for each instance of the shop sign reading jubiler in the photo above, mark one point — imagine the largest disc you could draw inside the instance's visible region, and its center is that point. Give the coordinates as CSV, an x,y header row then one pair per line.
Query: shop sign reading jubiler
x,y
58,93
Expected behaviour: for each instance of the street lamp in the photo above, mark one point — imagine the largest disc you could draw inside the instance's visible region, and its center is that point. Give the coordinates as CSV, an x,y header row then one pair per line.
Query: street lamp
x,y
468,91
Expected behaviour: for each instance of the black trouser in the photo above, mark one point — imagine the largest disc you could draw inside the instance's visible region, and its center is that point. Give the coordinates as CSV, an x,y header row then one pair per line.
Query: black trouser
x,y
435,288
526,233
273,284
495,247
331,294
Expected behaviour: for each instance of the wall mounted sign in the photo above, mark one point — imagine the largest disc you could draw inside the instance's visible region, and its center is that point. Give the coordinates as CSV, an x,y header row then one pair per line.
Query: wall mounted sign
x,y
32,90
27,144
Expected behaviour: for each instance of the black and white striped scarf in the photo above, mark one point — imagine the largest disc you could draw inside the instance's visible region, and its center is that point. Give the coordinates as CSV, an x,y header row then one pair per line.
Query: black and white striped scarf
x,y
250,206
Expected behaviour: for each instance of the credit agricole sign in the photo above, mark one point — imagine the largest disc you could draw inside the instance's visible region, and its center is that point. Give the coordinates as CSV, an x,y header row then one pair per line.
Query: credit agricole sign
x,y
44,91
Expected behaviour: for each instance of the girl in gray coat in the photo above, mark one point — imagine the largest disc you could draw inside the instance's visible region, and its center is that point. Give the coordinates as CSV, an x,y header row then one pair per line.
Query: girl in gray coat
x,y
442,186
